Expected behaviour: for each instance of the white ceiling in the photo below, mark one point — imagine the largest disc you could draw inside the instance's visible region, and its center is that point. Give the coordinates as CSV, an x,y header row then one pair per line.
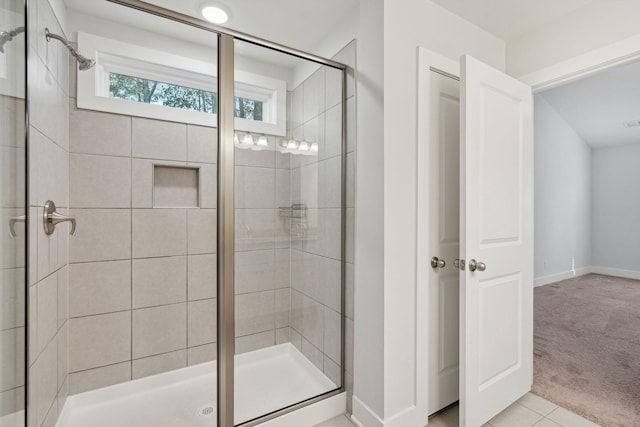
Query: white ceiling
x,y
301,24
597,107
509,19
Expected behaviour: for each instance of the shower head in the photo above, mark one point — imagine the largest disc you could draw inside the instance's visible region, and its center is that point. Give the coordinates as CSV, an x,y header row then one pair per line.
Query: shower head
x,y
84,63
7,36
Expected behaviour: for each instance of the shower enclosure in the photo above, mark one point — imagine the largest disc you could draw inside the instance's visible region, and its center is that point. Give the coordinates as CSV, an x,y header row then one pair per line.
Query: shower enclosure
x,y
194,273
12,213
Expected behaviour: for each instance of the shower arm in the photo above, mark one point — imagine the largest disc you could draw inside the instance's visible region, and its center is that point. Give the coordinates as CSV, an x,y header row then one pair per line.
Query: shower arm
x,y
85,63
49,35
12,33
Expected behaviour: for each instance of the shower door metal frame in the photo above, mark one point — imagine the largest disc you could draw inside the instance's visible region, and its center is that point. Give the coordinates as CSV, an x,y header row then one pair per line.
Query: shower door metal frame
x,y
226,232
226,195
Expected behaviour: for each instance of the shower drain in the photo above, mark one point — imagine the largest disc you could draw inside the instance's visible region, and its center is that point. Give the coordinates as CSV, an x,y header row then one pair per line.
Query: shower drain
x,y
207,410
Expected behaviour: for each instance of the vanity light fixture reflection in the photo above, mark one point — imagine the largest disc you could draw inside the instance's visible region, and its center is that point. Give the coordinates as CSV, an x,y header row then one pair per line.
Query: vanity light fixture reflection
x,y
292,146
262,141
247,140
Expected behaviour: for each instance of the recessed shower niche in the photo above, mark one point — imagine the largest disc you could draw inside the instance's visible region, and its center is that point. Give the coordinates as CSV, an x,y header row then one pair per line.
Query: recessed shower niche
x,y
176,187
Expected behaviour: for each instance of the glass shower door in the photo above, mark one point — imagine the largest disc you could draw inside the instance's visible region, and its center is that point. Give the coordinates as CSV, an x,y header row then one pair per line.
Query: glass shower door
x,y
288,230
12,213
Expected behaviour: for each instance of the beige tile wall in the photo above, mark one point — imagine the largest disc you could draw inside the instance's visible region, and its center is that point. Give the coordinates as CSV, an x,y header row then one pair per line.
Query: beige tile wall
x,y
12,250
262,248
141,278
48,274
12,259
142,290
316,310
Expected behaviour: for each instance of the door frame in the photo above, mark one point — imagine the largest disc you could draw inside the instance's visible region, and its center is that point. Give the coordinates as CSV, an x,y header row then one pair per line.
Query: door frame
x,y
587,64
566,71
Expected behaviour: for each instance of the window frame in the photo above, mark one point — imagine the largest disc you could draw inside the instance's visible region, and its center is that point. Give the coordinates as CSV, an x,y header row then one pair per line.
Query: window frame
x,y
113,56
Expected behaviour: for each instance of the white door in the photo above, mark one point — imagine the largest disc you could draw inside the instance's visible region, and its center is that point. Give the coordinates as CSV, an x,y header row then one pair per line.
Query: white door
x,y
444,226
496,232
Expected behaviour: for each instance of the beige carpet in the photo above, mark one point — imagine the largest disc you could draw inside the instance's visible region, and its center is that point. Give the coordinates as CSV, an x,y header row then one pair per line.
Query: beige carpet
x,y
587,347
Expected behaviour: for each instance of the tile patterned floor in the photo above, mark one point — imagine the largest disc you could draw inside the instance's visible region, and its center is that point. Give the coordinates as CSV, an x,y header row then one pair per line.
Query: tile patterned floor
x,y
529,411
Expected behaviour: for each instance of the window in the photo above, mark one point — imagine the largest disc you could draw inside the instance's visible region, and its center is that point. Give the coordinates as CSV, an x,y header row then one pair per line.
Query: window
x,y
160,93
140,81
176,96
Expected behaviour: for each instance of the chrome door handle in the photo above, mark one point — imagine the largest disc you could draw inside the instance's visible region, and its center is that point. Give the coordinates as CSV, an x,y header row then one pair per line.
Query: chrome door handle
x,y
51,218
12,224
437,262
476,265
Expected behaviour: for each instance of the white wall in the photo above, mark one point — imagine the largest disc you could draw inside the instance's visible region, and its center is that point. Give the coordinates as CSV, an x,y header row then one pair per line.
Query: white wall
x,y
368,381
562,197
340,35
594,26
385,317
409,24
616,210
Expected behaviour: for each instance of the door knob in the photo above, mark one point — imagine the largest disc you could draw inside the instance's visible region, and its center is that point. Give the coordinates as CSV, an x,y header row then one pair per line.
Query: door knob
x,y
51,218
437,262
476,265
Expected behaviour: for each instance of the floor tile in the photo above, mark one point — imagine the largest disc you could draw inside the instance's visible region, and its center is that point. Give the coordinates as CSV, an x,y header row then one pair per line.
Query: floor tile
x,y
515,415
569,419
339,421
546,422
526,413
537,404
448,418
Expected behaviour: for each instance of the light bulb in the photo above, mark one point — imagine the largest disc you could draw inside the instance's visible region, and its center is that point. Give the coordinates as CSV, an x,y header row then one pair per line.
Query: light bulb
x,y
247,139
304,146
314,147
262,141
292,144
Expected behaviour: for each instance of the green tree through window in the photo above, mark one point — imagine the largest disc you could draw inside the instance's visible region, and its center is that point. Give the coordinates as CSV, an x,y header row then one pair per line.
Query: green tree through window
x,y
176,96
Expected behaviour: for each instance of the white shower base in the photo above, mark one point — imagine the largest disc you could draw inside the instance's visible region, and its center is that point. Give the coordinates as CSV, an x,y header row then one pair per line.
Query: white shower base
x,y
15,419
266,380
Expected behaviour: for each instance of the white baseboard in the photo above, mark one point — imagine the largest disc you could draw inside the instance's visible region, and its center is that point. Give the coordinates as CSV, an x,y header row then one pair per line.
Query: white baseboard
x,y
607,271
363,415
552,278
617,272
412,416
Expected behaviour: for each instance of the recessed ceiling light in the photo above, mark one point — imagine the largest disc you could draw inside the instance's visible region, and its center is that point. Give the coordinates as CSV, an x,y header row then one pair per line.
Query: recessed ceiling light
x,y
215,13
